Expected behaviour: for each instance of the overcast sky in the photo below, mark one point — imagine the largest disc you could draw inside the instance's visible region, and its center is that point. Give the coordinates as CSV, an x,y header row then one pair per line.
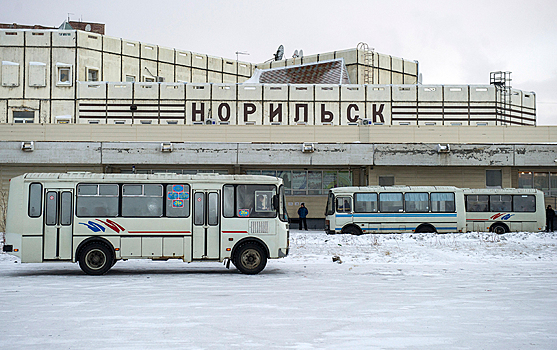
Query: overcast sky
x,y
454,43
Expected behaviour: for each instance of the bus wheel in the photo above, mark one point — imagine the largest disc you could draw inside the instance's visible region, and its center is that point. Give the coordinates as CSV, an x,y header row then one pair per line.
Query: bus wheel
x,y
352,230
498,229
250,258
425,229
96,259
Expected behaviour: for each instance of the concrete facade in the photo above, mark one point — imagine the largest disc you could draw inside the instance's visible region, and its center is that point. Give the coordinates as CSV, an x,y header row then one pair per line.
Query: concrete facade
x,y
63,94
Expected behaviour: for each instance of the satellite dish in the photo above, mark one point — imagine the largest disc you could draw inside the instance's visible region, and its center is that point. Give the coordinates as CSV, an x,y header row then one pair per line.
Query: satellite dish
x,y
88,28
295,54
301,53
280,53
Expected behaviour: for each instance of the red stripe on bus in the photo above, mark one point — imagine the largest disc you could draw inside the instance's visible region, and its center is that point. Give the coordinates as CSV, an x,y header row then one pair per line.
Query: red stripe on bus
x,y
159,232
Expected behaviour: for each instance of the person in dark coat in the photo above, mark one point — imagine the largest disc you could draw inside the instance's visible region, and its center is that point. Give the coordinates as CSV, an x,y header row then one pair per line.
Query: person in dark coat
x,y
303,213
549,218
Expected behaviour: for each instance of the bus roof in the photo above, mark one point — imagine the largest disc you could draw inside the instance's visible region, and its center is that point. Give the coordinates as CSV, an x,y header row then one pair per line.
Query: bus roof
x,y
393,189
501,190
87,176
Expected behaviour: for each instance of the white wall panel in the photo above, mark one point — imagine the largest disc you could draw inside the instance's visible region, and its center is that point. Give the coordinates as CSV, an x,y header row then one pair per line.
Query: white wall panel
x,y
39,38
11,37
64,38
172,91
112,45
89,40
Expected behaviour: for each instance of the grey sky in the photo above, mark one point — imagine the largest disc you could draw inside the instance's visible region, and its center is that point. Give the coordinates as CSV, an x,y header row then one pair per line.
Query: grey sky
x,y
455,43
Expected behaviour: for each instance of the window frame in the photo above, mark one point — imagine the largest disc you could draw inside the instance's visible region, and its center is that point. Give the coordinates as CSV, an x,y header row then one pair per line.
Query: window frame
x,y
167,200
387,211
428,205
89,70
226,209
343,198
143,195
40,200
98,184
444,211
355,199
63,67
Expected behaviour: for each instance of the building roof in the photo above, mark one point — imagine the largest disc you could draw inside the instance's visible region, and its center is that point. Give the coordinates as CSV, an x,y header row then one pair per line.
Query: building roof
x,y
326,72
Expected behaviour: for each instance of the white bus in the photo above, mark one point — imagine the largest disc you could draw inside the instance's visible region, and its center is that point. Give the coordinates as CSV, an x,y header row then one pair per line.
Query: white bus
x,y
395,209
504,210
98,219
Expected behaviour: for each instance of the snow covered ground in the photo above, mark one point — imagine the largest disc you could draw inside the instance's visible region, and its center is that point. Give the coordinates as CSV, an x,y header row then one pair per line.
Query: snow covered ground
x,y
426,291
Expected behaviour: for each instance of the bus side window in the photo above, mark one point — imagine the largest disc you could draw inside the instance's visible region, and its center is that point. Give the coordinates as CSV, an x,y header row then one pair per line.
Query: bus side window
x,y
177,201
475,203
442,202
343,205
524,203
35,200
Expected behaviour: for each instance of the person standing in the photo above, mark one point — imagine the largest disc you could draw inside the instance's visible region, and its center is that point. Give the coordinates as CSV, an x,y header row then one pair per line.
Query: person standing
x,y
302,214
549,218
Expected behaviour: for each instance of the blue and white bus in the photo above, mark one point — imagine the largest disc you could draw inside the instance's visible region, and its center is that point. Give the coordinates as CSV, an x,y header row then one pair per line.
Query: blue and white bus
x,y
395,209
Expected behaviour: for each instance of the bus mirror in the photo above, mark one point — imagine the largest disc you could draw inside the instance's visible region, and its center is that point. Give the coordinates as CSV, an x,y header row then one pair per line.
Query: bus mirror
x,y
276,202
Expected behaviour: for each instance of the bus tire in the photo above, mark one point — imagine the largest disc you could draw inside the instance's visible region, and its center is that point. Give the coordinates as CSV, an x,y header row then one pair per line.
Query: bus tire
x,y
426,228
352,230
96,258
250,258
498,229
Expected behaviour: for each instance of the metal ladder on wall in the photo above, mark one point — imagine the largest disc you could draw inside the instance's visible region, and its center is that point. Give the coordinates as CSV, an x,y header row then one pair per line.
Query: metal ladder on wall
x,y
369,62
501,81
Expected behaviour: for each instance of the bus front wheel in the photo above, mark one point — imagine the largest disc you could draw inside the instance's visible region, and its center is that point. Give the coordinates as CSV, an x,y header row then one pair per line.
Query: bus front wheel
x,y
96,258
352,230
250,258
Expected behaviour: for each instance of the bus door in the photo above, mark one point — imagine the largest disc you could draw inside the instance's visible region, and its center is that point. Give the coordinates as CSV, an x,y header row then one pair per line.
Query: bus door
x,y
344,212
58,224
206,224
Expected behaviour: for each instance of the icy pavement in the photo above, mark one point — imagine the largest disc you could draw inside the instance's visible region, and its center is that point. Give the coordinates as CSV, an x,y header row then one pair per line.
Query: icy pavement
x,y
427,291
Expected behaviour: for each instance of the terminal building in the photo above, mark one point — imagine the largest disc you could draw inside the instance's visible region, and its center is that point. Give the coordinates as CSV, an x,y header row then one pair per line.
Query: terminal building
x,y
74,99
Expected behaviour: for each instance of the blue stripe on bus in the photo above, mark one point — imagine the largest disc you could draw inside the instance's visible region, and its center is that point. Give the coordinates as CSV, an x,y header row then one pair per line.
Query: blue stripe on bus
x,y
399,229
396,215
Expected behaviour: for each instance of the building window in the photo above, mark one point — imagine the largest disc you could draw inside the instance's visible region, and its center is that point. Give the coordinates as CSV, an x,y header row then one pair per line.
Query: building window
x,y
23,117
308,182
493,179
525,179
10,74
37,74
388,180
92,74
64,74
543,181
148,79
130,78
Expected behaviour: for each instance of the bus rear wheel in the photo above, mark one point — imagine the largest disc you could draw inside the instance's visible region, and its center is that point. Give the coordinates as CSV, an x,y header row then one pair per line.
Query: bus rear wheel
x,y
250,258
96,259
498,229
